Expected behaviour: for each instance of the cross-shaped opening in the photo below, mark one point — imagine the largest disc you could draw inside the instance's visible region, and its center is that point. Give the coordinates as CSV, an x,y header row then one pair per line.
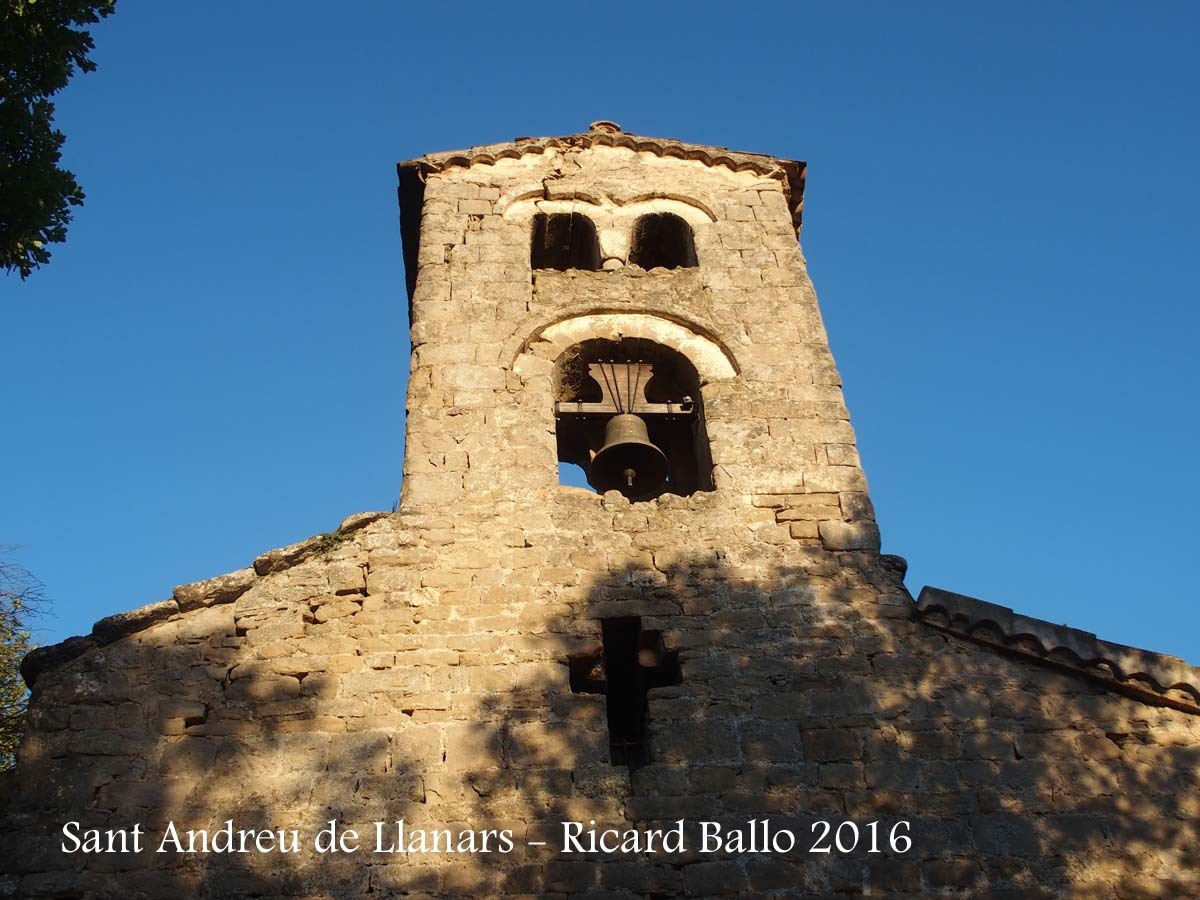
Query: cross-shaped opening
x,y
630,663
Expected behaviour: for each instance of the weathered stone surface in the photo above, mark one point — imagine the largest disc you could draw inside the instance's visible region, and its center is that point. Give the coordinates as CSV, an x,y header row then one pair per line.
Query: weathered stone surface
x,y
857,506
896,564
45,658
278,560
360,520
111,628
222,589
849,535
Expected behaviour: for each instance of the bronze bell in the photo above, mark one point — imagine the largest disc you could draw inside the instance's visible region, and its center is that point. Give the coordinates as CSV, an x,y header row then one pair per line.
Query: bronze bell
x,y
628,462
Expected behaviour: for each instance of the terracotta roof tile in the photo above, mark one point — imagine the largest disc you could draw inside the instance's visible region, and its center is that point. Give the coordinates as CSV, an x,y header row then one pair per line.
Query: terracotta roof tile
x,y
1152,677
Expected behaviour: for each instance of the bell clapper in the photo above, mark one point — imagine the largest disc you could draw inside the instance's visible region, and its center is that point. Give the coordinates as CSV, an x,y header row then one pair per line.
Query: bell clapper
x,y
630,474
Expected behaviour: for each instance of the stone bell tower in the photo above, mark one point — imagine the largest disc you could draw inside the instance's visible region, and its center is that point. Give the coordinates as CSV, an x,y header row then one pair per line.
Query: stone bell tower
x,y
505,686
557,284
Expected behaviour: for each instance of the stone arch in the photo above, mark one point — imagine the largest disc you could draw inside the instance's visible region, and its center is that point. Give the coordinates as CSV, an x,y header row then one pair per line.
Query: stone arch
x,y
689,209
712,359
525,204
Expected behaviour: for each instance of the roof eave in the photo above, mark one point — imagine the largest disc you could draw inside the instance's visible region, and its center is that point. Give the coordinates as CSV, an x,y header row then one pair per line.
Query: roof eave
x,y
790,172
1153,678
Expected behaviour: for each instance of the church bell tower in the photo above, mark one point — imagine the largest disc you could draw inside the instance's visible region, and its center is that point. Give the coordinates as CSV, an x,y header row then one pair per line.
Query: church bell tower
x,y
636,307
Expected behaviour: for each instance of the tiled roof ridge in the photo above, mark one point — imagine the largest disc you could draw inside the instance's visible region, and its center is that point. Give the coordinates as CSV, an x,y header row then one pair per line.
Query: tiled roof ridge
x,y
1154,678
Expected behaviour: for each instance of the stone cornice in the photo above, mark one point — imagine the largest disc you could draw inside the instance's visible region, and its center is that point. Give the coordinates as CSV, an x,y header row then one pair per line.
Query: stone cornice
x,y
791,172
1151,677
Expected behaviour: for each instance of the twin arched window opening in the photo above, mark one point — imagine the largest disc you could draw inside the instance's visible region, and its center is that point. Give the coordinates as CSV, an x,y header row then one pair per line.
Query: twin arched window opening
x,y
569,241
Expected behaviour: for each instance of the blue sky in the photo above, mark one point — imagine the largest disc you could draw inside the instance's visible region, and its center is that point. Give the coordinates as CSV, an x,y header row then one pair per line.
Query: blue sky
x,y
1000,222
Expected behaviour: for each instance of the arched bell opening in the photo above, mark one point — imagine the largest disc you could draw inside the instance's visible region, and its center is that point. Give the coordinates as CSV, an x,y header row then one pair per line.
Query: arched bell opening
x,y
564,241
662,239
629,414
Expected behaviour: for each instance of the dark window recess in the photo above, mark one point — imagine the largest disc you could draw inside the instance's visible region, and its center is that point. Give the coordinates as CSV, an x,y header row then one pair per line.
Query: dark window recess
x,y
662,239
631,663
564,241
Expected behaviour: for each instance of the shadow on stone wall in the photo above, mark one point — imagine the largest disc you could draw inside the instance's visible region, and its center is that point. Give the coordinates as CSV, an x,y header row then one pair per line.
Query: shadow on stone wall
x,y
821,699
807,695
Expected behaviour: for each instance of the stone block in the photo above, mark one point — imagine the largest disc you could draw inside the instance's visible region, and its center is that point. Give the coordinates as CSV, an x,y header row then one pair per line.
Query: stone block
x,y
770,741
570,876
988,745
857,506
474,746
44,659
642,879
803,531
895,875
347,577
944,873
810,509
774,874
475,207
707,879
849,535
831,745
470,376
401,556
835,479
850,700
284,557
336,609
115,627
1012,704
264,687
222,589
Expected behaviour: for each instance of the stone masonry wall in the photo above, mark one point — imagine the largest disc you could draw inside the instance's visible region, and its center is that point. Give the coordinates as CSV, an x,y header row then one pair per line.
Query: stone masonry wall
x,y
415,666
417,670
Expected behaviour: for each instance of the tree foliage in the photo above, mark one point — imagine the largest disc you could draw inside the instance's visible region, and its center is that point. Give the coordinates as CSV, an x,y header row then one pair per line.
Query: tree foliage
x,y
41,47
20,596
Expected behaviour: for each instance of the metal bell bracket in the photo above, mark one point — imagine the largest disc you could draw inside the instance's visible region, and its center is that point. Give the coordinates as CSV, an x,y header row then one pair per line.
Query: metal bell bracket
x,y
623,390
